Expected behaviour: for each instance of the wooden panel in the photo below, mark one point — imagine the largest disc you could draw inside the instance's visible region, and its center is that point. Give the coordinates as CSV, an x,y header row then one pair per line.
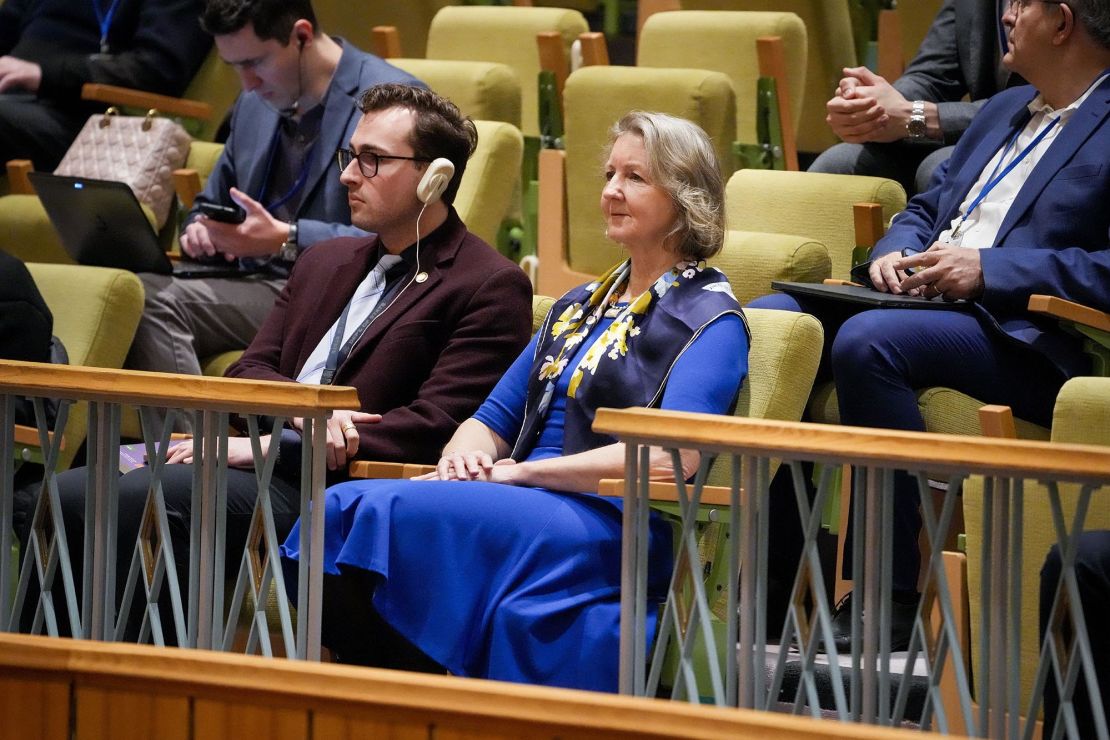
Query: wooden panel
x,y
130,715
772,63
34,708
214,719
335,726
18,182
387,41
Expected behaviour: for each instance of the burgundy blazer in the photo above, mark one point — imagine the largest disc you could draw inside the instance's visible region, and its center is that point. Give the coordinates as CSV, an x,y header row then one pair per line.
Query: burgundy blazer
x,y
427,361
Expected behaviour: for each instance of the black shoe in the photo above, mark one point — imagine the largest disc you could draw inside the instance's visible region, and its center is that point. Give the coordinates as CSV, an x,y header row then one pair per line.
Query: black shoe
x,y
901,624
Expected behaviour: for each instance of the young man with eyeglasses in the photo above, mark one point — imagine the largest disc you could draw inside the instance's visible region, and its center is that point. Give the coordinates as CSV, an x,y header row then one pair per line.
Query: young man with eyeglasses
x,y
1020,208
422,318
300,89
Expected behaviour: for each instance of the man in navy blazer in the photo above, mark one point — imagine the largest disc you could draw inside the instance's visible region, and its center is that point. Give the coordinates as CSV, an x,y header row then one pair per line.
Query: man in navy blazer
x,y
1020,208
299,104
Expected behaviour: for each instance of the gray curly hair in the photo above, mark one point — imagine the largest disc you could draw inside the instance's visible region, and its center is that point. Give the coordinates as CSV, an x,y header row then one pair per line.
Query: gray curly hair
x,y
681,160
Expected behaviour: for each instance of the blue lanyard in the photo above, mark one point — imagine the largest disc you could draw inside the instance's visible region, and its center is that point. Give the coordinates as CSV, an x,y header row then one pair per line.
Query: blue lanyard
x,y
104,18
996,176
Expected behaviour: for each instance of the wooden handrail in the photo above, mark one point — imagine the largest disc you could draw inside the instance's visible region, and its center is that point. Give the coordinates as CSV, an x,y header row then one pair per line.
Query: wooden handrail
x,y
29,436
114,95
186,183
944,453
1059,308
178,391
194,687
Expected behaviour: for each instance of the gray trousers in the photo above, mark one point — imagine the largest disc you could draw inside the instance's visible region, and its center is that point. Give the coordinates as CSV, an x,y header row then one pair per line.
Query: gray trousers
x,y
910,164
187,320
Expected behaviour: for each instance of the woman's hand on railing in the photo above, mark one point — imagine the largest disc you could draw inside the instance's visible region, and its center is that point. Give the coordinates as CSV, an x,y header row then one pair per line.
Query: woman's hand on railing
x,y
475,465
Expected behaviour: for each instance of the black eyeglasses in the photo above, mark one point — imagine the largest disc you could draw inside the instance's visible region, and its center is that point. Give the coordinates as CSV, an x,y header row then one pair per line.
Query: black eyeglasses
x,y
368,161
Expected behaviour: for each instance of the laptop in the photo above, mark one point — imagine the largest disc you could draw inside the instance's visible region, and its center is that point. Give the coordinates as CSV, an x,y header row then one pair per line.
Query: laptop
x,y
866,297
101,223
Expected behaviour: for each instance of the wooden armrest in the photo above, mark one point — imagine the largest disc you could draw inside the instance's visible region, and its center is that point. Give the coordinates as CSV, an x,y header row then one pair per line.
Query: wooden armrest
x,y
771,53
1058,308
868,221
594,50
646,8
386,41
113,95
835,281
997,421
665,491
388,470
553,58
186,182
18,182
29,436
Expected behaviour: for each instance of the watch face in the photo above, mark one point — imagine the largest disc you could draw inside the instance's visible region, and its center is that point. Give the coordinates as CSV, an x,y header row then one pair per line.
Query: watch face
x,y
916,128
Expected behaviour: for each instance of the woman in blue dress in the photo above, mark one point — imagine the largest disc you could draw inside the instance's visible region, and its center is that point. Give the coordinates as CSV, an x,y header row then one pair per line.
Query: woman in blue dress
x,y
502,563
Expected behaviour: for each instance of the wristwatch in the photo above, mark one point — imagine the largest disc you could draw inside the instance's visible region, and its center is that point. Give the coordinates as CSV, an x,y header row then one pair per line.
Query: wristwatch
x,y
288,249
916,129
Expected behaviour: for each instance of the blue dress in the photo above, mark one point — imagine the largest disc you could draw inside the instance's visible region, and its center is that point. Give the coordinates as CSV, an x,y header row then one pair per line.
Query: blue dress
x,y
511,582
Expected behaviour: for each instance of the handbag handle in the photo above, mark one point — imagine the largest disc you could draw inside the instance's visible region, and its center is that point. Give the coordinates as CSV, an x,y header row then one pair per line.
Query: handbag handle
x,y
148,121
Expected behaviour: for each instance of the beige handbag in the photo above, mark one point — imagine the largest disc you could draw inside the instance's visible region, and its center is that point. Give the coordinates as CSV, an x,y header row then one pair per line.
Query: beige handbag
x,y
140,151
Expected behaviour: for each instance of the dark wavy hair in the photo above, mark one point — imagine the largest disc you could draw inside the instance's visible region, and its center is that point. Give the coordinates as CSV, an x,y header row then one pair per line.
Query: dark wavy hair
x,y
271,19
440,130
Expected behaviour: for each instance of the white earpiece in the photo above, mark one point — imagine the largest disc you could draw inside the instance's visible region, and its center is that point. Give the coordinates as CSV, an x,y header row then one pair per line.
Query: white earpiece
x,y
435,180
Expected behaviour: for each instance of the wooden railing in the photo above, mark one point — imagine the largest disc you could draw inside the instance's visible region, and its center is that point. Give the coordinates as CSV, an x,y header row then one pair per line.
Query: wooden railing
x,y
199,618
48,686
747,671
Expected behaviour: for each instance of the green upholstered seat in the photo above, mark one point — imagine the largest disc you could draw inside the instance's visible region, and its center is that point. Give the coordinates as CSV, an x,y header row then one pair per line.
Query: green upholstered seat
x,y
753,259
506,35
831,48
483,90
725,42
809,204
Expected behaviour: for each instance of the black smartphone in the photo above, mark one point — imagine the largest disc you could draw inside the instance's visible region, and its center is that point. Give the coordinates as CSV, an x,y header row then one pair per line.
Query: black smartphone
x,y
222,213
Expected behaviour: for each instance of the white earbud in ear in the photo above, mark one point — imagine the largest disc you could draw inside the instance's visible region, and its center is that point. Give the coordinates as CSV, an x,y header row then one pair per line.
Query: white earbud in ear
x,y
435,180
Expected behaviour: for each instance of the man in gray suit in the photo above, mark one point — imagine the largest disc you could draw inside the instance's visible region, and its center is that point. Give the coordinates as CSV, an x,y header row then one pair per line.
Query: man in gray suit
x,y
905,129
299,104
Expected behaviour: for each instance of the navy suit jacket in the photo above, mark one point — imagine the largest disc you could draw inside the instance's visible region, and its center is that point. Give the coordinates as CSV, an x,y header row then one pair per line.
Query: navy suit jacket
x,y
1055,239
323,212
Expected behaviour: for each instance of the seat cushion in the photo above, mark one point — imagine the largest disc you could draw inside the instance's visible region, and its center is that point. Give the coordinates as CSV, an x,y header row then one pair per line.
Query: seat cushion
x,y
753,259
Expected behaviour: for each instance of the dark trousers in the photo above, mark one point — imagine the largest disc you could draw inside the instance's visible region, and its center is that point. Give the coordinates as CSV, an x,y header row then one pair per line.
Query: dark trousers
x,y
177,482
879,358
1092,572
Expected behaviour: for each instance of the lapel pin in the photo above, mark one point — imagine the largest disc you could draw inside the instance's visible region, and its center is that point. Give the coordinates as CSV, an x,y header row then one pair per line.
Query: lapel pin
x,y
421,277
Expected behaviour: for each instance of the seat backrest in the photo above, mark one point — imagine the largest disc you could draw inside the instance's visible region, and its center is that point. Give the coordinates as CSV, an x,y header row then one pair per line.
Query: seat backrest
x,y
725,42
492,175
96,311
482,90
355,21
752,259
809,204
26,231
830,49
506,35
594,99
217,84
782,363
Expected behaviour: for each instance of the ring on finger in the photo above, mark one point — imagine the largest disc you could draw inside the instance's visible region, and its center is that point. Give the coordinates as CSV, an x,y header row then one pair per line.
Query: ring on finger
x,y
347,427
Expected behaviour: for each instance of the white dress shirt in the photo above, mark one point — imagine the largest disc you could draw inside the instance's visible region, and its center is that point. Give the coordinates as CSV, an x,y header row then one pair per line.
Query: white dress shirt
x,y
361,305
980,229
